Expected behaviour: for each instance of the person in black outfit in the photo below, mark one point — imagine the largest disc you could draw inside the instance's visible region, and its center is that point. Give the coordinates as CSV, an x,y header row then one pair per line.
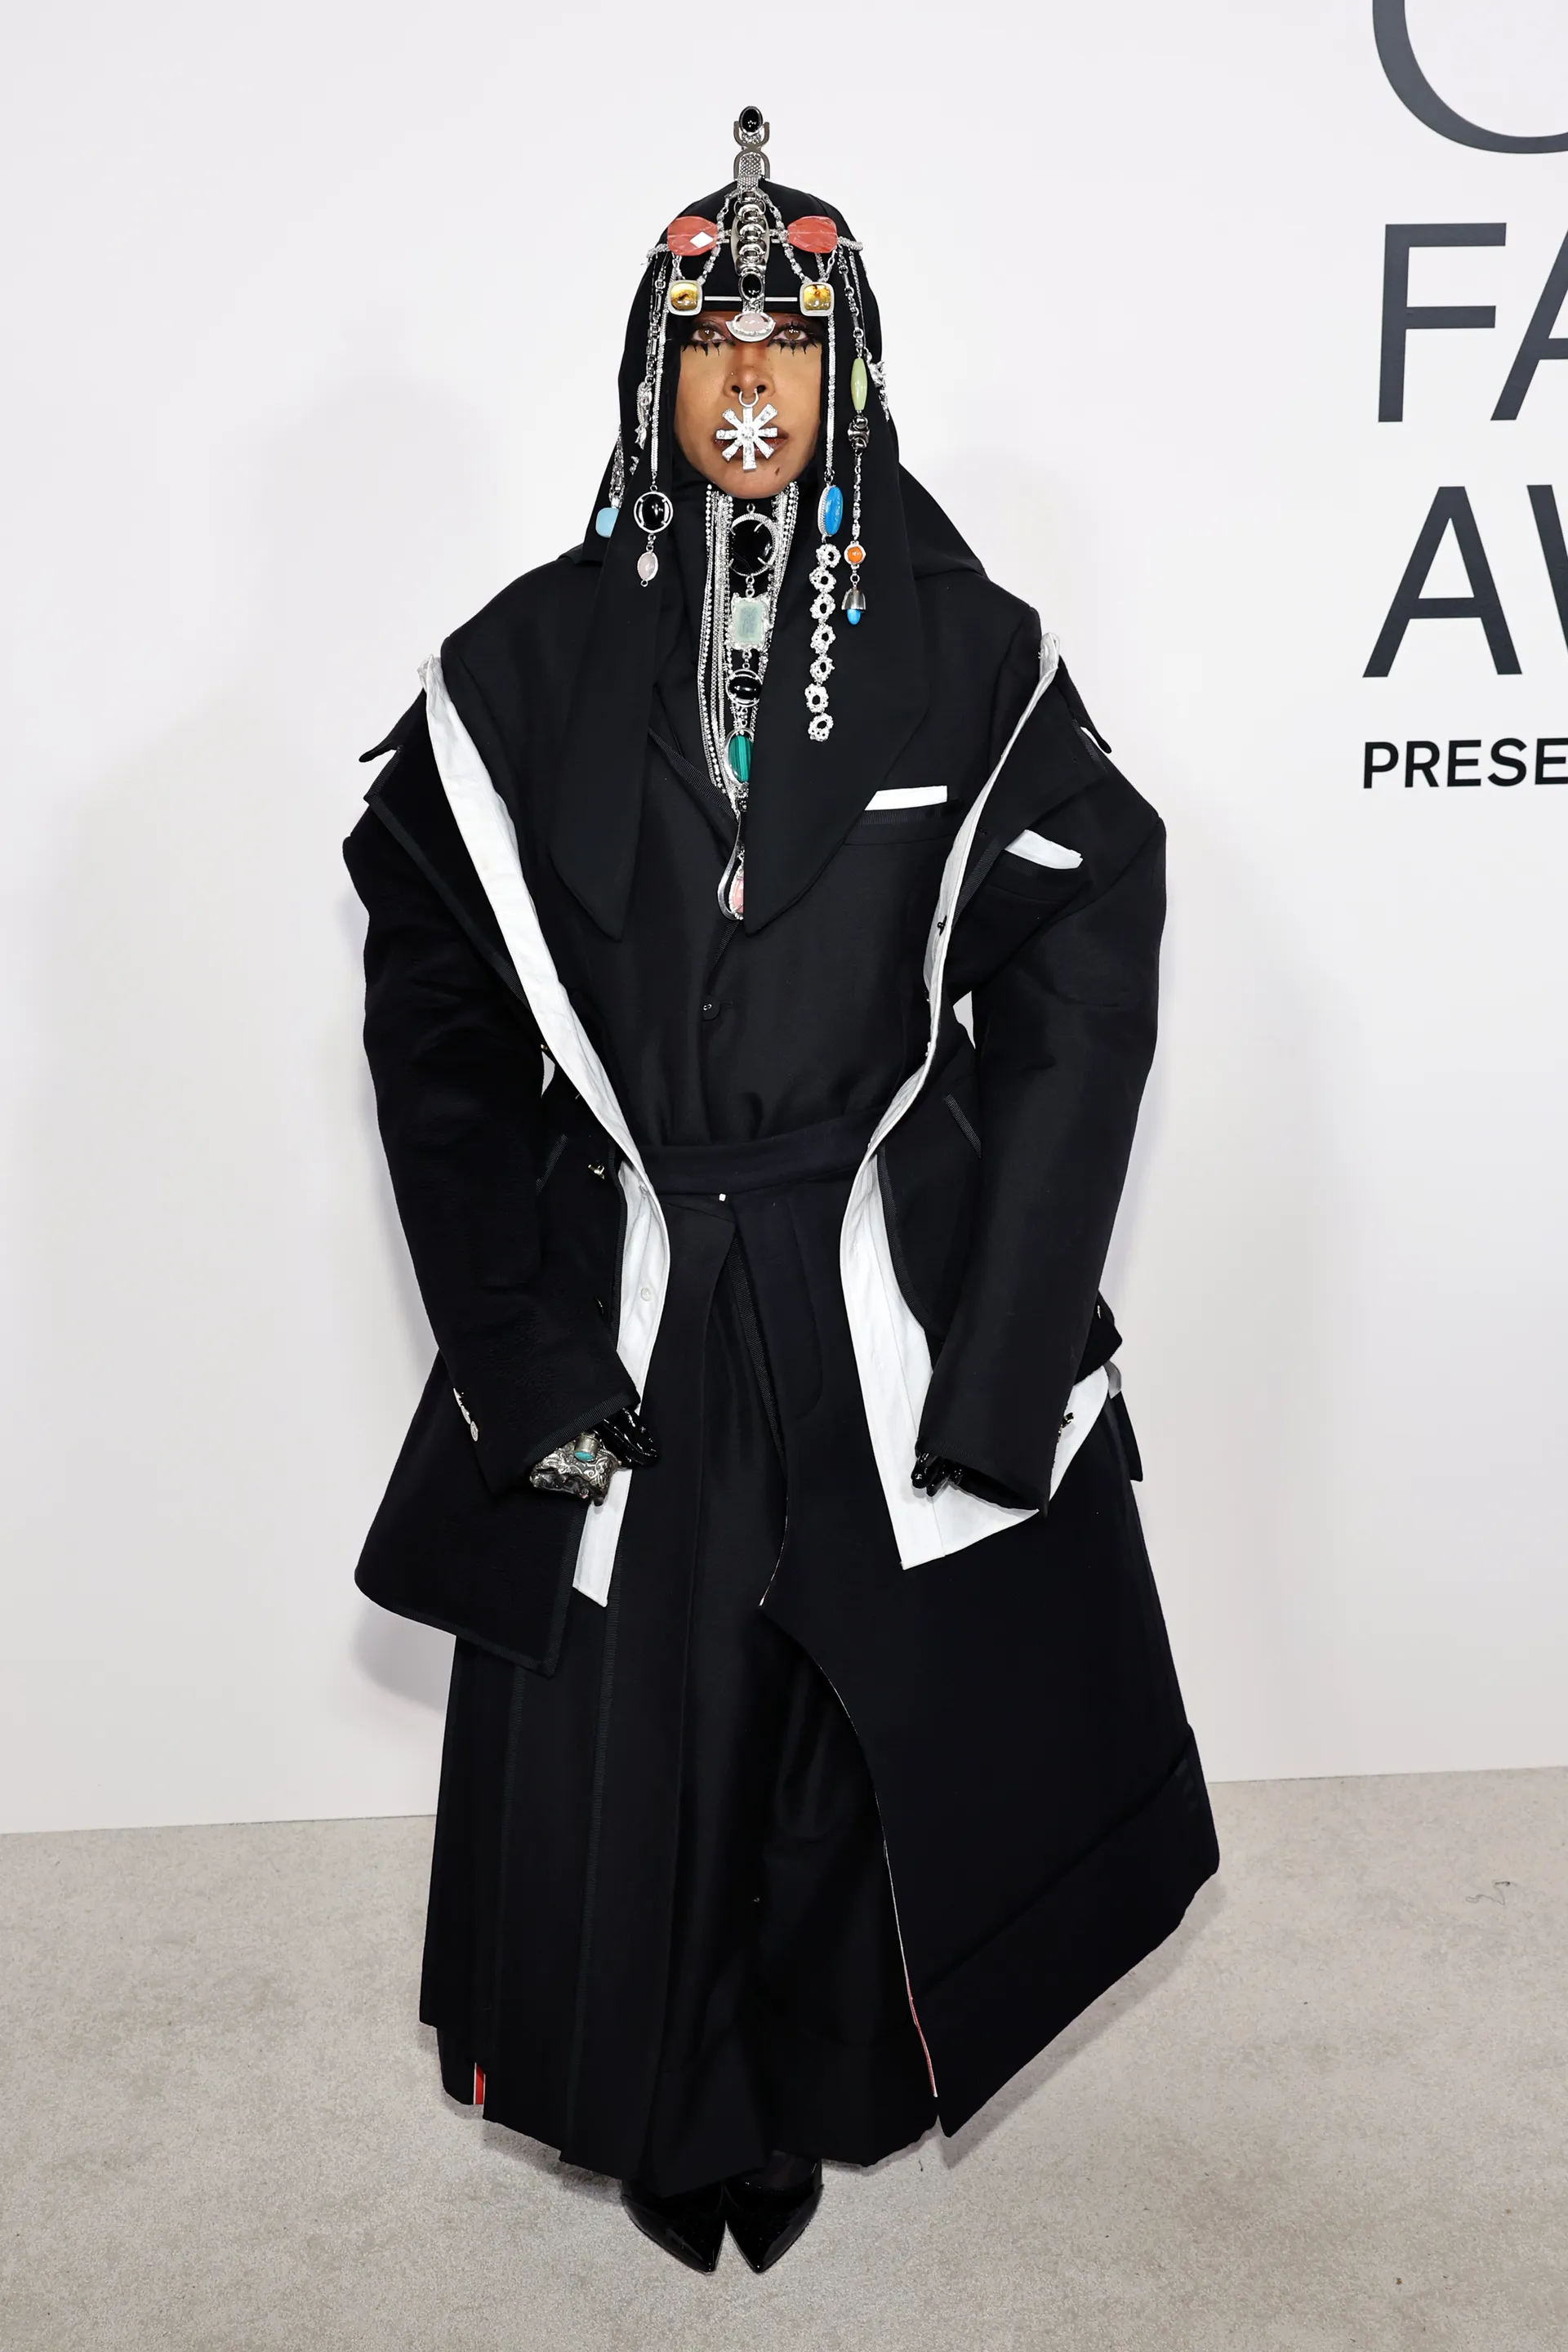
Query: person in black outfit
x,y
760,988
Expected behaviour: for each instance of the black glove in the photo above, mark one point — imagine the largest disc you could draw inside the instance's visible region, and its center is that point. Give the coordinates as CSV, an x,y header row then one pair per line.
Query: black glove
x,y
933,1472
629,1437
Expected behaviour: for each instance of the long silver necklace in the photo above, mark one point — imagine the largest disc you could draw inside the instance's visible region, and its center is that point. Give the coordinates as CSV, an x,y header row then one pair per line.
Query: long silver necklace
x,y
748,554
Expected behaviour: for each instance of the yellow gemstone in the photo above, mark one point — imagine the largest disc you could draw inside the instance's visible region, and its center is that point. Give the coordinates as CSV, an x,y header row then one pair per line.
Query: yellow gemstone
x,y
685,296
815,300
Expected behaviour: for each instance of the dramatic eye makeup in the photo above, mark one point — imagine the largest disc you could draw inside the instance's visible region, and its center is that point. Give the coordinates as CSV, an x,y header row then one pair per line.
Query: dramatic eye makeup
x,y
791,335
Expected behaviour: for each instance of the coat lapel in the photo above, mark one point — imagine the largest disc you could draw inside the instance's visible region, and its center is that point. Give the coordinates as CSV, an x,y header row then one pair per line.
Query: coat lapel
x,y
806,795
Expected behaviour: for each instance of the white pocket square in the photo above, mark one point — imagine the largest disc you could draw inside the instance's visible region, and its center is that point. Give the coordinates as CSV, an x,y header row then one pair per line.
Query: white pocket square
x,y
900,796
1039,851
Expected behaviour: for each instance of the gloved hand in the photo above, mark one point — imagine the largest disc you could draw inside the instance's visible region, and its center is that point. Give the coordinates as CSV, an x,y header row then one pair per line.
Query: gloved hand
x,y
585,1467
933,1472
629,1438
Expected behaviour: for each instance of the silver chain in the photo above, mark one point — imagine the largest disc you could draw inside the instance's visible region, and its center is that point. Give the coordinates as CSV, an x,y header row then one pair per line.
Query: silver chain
x,y
718,715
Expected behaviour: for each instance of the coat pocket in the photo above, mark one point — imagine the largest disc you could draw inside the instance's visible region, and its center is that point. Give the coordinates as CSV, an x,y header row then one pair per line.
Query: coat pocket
x,y
1017,894
1033,867
887,828
1039,849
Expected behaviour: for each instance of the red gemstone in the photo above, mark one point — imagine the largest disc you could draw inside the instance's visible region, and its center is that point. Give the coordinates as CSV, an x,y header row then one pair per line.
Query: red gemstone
x,y
694,236
813,232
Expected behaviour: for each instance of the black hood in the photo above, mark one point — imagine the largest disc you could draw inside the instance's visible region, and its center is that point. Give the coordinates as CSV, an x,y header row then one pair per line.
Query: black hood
x,y
803,795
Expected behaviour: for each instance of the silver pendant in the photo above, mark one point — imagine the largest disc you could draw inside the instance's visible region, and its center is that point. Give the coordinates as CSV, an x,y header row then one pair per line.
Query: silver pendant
x,y
745,434
732,884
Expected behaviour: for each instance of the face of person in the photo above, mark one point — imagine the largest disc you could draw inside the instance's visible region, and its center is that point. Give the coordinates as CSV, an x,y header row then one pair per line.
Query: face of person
x,y
718,374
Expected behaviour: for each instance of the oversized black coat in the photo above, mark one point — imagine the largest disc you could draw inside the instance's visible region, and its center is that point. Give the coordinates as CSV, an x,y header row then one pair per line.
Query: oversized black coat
x,y
1012,1689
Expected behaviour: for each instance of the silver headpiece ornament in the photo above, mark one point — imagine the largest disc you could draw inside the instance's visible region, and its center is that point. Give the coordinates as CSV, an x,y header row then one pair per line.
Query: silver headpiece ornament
x,y
735,636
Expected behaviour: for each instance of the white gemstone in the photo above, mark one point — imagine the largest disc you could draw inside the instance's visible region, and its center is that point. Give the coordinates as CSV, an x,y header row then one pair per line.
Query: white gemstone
x,y
748,622
648,564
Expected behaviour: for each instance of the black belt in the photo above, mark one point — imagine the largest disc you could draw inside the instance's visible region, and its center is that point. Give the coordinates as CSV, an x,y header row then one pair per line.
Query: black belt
x,y
834,1147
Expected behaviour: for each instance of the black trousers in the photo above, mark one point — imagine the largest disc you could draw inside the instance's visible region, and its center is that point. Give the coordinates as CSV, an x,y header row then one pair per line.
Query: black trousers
x,y
661,1917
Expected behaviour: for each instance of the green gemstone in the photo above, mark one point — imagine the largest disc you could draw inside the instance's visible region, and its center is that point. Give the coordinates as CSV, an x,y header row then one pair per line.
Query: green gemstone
x,y
859,383
738,751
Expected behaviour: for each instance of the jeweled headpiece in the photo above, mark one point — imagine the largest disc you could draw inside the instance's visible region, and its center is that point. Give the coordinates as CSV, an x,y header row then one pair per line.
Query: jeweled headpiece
x,y
749,227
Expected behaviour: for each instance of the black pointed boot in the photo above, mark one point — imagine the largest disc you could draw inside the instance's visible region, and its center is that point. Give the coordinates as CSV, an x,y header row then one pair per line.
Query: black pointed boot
x,y
766,2221
690,2226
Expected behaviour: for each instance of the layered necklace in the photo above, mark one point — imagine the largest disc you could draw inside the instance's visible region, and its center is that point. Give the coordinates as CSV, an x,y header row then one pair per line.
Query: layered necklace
x,y
748,553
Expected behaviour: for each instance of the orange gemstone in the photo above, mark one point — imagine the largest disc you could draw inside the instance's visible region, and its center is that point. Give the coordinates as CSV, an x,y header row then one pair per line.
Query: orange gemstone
x,y
813,232
692,235
855,553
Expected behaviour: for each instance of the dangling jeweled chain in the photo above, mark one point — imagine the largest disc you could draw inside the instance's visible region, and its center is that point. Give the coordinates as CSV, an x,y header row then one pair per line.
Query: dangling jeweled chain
x,y
748,554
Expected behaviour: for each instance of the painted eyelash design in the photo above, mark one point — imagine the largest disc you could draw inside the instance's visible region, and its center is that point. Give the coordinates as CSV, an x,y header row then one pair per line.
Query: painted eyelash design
x,y
706,336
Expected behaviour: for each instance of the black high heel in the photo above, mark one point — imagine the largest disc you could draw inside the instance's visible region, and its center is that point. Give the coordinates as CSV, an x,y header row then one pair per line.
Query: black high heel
x,y
690,2226
765,2223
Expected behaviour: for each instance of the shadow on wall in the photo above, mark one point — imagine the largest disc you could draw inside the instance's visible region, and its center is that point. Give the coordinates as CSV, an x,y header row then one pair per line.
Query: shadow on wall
x,y
218,1285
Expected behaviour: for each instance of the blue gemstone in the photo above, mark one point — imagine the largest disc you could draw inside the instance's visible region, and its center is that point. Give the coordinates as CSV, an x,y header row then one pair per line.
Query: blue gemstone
x,y
604,520
853,615
830,510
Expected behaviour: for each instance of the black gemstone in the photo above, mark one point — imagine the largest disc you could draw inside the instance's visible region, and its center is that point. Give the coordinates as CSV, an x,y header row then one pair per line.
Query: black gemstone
x,y
750,120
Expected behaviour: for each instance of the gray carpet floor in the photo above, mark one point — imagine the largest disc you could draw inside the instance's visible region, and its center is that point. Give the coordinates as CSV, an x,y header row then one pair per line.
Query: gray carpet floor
x,y
1332,2112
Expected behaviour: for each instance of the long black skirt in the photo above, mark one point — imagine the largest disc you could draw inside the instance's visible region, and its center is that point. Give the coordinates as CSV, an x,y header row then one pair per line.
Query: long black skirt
x,y
661,1927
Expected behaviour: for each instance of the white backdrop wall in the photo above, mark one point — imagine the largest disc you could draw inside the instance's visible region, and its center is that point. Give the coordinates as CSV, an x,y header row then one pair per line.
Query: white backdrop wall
x,y
313,313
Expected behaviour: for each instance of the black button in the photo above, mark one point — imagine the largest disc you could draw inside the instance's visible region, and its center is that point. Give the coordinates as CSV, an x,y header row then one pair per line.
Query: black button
x,y
709,1009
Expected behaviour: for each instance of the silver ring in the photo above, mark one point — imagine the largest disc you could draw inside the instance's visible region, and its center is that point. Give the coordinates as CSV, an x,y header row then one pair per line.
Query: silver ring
x,y
753,518
659,500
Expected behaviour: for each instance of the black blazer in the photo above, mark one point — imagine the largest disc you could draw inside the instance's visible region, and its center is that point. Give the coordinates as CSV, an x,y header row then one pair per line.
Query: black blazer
x,y
1001,1184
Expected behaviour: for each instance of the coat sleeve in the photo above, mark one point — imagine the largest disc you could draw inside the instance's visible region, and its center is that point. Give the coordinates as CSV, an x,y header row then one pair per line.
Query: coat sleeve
x,y
458,1070
1065,1034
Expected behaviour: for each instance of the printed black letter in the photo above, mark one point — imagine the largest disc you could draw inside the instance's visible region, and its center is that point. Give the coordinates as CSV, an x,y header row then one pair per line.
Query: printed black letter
x,y
1549,530
1451,505
1398,316
1540,343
